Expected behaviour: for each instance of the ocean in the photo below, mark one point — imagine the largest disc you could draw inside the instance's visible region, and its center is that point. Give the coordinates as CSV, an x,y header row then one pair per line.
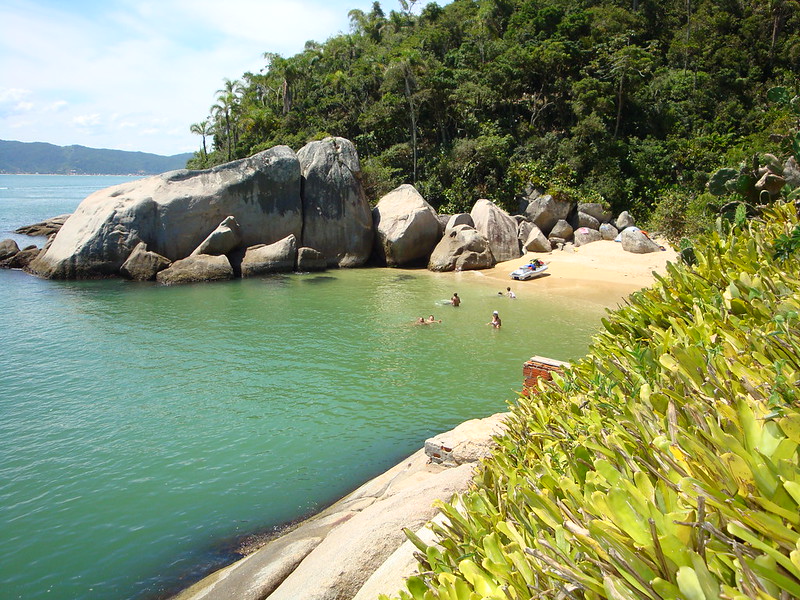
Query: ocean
x,y
146,430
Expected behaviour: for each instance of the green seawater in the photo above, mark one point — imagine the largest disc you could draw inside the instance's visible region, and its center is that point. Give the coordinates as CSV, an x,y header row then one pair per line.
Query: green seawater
x,y
143,428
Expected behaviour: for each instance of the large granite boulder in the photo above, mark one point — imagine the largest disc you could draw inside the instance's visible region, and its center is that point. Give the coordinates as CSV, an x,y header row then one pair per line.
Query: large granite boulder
x,y
406,227
143,265
270,258
173,213
310,259
624,220
44,228
497,226
537,242
608,231
634,240
461,249
197,267
524,229
587,220
545,211
337,219
585,235
8,248
225,238
22,259
562,230
459,219
596,210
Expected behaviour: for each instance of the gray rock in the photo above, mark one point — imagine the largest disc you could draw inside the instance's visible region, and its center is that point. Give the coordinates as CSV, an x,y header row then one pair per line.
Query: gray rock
x,y
624,220
608,231
770,183
634,240
8,248
556,243
537,242
545,211
309,259
561,229
270,258
22,259
459,219
406,227
497,226
586,220
172,213
584,235
596,210
791,172
197,267
226,237
143,265
524,229
337,219
443,219
461,249
44,228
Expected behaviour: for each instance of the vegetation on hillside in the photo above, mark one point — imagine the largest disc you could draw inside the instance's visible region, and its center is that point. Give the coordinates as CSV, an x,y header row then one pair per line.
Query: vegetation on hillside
x,y
666,463
631,101
39,157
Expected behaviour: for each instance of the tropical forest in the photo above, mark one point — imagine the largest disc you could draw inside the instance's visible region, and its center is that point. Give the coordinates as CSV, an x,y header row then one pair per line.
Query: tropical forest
x,y
634,103
665,464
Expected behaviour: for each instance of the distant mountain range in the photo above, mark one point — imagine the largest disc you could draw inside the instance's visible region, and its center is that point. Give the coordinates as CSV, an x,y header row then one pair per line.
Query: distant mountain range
x,y
38,157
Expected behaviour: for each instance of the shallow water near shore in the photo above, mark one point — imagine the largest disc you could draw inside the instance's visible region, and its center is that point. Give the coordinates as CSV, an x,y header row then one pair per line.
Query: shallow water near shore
x,y
141,425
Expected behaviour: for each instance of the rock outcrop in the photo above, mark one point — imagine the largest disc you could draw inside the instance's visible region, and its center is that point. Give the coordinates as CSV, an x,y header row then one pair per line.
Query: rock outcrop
x,y
461,248
498,227
224,239
406,227
196,268
357,548
545,211
20,259
634,240
337,219
537,242
44,228
8,248
270,258
173,213
143,265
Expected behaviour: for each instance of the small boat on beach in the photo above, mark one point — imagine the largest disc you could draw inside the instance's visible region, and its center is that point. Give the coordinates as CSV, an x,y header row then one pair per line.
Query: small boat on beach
x,y
532,270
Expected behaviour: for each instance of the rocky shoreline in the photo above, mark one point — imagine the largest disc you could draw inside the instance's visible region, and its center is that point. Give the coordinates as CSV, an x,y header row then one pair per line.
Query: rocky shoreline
x,y
357,548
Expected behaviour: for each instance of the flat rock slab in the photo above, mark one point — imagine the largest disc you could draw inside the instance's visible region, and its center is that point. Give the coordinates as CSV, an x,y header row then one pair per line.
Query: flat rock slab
x,y
332,555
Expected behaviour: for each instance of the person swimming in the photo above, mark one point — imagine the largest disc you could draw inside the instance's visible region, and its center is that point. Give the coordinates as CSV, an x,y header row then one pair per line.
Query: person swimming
x,y
455,300
432,320
495,322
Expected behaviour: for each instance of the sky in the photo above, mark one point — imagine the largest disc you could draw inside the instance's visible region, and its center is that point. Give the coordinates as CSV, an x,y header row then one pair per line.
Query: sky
x,y
135,74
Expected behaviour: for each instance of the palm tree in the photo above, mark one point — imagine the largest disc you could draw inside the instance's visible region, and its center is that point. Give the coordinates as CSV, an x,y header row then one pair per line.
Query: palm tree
x,y
203,128
225,108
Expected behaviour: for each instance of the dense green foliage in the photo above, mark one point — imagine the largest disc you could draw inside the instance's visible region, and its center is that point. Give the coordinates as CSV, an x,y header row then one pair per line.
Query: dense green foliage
x,y
628,100
665,464
38,157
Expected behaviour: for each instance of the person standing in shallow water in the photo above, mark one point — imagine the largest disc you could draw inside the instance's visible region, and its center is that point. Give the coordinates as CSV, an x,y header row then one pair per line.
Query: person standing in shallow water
x,y
495,322
455,300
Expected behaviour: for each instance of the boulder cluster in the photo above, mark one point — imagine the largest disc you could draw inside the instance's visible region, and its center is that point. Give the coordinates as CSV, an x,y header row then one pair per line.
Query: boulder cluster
x,y
284,211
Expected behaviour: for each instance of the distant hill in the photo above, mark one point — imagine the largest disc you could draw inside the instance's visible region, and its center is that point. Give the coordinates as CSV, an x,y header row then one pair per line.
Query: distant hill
x,y
38,157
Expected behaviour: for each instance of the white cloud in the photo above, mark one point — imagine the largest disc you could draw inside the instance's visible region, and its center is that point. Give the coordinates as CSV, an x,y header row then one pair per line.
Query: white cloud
x,y
135,74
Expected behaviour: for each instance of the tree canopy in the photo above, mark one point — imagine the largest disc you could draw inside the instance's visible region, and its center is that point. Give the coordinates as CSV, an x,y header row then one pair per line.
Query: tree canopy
x,y
624,101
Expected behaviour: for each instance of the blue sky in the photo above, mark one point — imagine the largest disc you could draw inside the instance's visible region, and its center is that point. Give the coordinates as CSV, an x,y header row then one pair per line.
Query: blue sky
x,y
135,74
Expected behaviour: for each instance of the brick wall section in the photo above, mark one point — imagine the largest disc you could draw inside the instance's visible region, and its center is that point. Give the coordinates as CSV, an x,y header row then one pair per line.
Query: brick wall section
x,y
539,367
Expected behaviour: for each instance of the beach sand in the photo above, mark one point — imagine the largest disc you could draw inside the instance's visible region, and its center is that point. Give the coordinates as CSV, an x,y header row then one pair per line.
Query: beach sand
x,y
600,272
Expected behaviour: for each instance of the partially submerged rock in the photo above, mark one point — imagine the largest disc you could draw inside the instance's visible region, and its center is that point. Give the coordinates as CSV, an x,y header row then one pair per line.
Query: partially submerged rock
x,y
310,259
143,265
272,258
195,268
21,259
406,227
337,219
8,248
172,212
44,228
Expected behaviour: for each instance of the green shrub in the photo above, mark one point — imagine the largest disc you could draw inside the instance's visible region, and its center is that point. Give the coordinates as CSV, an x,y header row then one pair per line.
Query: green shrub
x,y
665,464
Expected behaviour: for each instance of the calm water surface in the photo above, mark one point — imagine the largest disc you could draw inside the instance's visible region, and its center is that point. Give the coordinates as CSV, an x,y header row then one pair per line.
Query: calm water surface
x,y
142,427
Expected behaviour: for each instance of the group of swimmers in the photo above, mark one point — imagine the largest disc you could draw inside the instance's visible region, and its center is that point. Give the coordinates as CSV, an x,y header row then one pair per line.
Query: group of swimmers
x,y
456,301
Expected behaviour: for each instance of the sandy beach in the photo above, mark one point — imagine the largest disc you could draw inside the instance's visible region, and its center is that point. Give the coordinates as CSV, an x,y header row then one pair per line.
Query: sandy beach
x,y
600,272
